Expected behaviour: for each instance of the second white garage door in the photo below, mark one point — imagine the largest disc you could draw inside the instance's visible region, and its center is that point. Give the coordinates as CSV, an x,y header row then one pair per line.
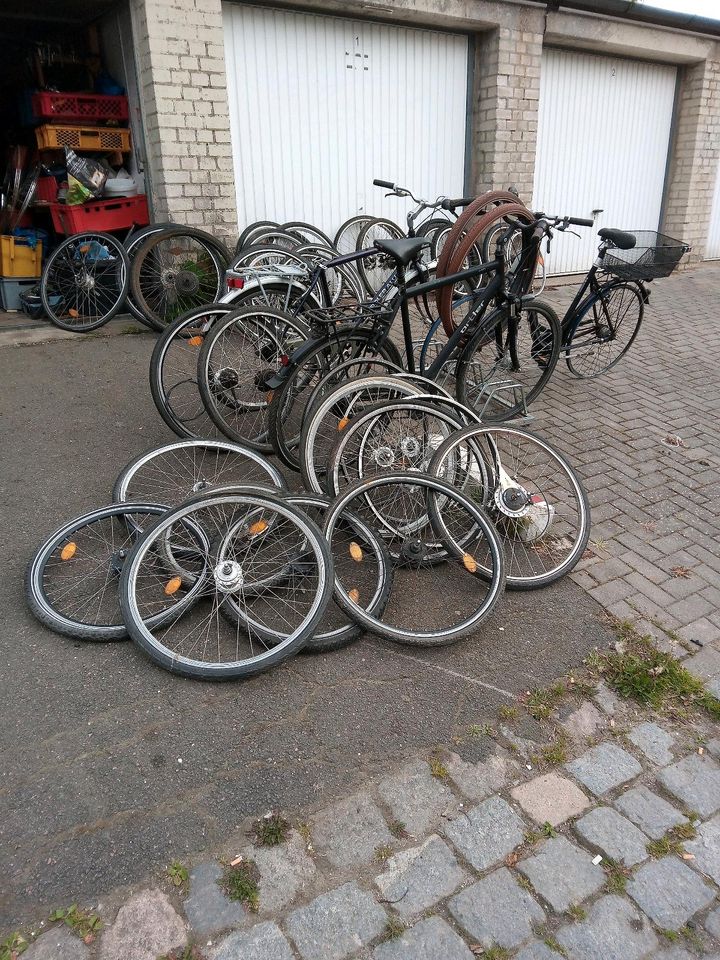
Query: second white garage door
x,y
319,106
603,139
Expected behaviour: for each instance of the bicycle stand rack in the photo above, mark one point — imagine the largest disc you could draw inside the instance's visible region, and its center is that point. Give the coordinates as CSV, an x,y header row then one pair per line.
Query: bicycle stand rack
x,y
518,391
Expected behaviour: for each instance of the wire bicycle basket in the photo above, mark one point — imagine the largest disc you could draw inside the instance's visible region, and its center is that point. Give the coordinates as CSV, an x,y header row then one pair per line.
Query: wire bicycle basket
x,y
362,314
653,256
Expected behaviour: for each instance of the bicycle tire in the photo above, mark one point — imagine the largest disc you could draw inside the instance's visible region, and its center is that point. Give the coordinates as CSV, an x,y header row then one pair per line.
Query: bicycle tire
x,y
250,230
163,650
590,305
284,446
132,243
36,586
460,564
346,238
71,278
530,526
464,222
545,343
180,288
279,332
368,266
326,640
307,232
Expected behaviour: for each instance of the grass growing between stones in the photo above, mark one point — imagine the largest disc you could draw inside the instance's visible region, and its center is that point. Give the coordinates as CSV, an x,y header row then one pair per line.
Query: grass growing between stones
x,y
438,768
672,842
577,912
83,923
398,829
555,945
641,672
495,953
382,853
271,830
541,703
394,928
617,875
13,946
184,953
240,882
177,874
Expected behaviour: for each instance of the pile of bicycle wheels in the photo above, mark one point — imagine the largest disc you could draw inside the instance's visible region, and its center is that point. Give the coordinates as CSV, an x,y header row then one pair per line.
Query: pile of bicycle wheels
x,y
409,521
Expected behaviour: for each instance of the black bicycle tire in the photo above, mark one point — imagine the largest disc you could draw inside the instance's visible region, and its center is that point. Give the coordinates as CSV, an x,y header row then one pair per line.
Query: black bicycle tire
x,y
568,565
47,307
131,242
283,448
342,637
497,579
358,218
577,320
362,244
481,335
217,251
208,398
163,657
242,240
295,224
42,609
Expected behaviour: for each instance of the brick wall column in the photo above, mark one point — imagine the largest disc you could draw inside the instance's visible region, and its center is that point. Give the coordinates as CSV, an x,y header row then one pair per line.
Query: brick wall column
x,y
506,92
181,74
695,155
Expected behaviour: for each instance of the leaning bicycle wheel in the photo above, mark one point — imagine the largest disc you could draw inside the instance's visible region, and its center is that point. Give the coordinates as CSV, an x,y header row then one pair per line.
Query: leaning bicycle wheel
x,y
377,267
85,282
508,361
176,270
361,560
178,470
536,500
242,350
288,402
346,239
71,584
261,578
604,330
419,517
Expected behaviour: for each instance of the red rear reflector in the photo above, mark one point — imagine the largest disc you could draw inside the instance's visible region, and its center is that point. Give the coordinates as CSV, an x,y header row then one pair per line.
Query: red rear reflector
x,y
284,359
235,283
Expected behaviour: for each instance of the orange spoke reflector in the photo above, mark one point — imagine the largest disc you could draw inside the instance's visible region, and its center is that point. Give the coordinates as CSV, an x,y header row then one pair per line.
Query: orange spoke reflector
x,y
269,395
172,586
343,423
354,594
469,563
195,341
73,312
258,527
68,551
356,551
85,248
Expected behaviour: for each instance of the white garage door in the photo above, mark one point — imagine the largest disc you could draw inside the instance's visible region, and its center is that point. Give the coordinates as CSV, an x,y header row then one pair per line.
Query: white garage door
x,y
712,251
319,106
603,137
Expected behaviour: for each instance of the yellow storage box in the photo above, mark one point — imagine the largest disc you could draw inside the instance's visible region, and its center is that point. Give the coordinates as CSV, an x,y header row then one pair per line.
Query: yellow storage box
x,y
19,259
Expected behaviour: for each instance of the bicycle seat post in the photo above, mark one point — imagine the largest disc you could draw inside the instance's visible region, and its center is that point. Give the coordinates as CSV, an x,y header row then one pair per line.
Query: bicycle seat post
x,y
405,314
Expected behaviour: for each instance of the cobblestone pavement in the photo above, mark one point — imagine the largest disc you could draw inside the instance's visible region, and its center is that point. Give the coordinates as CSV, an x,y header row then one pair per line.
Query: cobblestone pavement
x,y
606,850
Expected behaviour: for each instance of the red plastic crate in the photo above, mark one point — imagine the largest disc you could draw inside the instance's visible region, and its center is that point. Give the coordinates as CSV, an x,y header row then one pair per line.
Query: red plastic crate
x,y
101,215
79,106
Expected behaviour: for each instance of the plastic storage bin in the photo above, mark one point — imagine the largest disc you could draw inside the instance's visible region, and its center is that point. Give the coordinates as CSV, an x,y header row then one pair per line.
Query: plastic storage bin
x,y
100,215
51,136
18,258
82,107
11,291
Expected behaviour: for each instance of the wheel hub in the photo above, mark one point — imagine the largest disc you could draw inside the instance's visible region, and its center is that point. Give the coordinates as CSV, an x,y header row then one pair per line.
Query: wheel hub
x,y
116,562
228,576
187,282
512,501
384,457
227,378
86,281
412,552
410,447
202,484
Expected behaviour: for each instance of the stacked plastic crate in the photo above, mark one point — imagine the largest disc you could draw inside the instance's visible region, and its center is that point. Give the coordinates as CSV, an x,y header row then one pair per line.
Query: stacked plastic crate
x,y
95,123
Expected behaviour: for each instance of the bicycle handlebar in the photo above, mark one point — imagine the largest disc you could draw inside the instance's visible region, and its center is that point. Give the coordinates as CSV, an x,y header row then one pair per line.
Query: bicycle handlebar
x,y
448,204
384,183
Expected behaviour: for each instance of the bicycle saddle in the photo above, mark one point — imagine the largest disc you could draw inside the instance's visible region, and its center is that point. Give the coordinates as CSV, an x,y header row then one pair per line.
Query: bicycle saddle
x,y
620,239
403,250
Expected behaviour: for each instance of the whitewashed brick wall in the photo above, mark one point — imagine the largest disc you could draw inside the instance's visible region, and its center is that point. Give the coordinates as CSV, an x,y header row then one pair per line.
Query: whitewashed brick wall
x,y
181,68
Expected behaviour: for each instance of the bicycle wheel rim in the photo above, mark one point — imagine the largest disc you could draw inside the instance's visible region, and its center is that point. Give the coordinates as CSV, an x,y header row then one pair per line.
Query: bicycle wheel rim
x,y
588,354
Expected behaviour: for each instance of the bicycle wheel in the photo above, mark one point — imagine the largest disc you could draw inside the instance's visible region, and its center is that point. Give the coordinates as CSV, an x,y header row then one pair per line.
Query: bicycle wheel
x,y
332,414
508,361
276,237
362,561
289,401
246,237
346,239
233,628
343,282
392,435
85,282
172,473
174,271
71,582
604,330
242,350
307,233
132,244
417,515
173,371
375,269
536,500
